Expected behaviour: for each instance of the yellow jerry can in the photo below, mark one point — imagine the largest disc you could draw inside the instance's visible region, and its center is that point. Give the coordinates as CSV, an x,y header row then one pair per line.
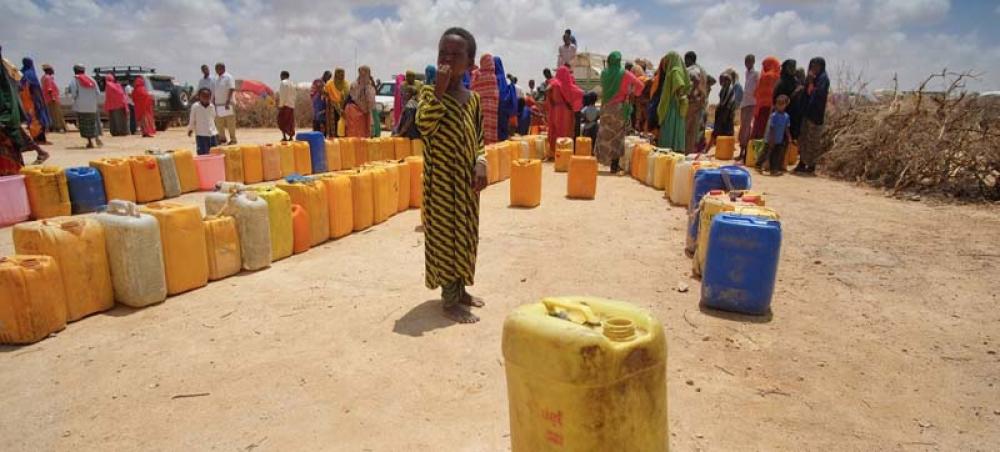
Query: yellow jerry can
x,y
362,200
185,253
346,153
117,176
48,191
32,299
286,154
333,160
416,165
303,159
311,195
279,219
585,374
223,244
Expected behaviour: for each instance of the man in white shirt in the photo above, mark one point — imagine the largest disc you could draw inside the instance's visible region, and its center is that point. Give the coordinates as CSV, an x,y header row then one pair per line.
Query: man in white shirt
x,y
223,87
286,107
749,101
202,122
567,52
204,82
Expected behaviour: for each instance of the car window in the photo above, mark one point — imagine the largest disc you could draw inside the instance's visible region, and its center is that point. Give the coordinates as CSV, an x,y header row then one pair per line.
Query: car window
x,y
162,85
387,89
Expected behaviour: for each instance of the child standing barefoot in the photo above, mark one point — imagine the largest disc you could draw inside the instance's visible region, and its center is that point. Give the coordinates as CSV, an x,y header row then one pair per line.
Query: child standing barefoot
x,y
450,120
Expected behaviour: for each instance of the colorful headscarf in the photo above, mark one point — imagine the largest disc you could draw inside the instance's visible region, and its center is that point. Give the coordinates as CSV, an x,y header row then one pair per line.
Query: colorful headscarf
x,y
673,81
10,104
486,80
508,93
397,101
140,96
337,87
30,77
768,79
611,77
565,84
316,88
362,90
114,94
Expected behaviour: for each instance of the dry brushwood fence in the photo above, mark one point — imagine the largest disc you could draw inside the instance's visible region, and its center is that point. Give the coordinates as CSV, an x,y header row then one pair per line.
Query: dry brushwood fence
x,y
263,112
945,143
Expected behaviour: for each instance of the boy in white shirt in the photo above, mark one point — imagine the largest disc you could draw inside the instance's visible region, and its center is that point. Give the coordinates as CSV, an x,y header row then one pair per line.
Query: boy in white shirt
x,y
202,121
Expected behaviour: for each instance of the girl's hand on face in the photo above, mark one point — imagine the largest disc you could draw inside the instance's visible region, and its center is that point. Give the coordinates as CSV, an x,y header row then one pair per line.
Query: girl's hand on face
x,y
443,80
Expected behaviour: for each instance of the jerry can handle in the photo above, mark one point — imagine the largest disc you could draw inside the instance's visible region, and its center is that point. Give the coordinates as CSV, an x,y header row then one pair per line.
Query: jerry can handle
x,y
121,207
589,318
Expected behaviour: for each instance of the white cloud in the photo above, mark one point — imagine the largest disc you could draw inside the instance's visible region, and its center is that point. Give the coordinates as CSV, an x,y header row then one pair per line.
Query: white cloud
x,y
258,38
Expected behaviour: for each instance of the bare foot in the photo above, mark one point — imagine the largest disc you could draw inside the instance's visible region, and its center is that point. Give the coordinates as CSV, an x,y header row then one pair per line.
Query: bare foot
x,y
459,314
469,300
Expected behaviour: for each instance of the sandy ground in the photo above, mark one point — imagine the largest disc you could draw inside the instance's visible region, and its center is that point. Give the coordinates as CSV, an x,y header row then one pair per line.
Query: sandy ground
x,y
884,334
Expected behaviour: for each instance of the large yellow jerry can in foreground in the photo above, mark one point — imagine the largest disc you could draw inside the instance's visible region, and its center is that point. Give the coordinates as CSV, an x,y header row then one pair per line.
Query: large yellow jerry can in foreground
x,y
585,374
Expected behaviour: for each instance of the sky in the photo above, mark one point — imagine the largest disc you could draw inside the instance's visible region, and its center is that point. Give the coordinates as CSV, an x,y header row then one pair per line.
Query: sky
x,y
874,39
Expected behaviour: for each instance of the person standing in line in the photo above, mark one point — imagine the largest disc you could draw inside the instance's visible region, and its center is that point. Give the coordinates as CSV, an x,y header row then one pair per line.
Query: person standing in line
x,y
204,82
116,106
320,103
50,94
564,101
697,101
485,85
749,103
202,122
286,107
407,122
618,85
725,111
33,102
83,89
814,109
507,106
776,138
223,87
144,114
336,91
567,51
789,85
670,94
770,74
358,114
14,141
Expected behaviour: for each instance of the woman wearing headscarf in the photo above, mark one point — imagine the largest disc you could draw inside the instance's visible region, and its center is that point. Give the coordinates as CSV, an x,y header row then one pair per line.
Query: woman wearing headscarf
x,y
764,96
116,106
670,90
143,107
813,115
563,99
489,96
358,113
789,85
641,100
725,111
397,101
13,140
336,90
617,85
33,102
507,106
317,95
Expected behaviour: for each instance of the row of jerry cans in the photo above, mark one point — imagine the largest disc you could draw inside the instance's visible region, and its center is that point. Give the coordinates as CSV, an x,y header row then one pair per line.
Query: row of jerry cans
x,y
567,148
311,153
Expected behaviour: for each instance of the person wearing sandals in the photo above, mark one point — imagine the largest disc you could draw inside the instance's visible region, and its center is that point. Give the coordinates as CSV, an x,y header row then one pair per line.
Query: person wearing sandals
x,y
83,89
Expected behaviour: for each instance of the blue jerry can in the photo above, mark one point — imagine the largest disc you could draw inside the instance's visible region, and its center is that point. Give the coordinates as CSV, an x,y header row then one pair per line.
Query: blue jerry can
x,y
86,189
742,264
317,149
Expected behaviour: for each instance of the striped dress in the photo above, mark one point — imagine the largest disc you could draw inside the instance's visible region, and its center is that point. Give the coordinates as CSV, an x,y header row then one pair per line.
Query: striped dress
x,y
453,140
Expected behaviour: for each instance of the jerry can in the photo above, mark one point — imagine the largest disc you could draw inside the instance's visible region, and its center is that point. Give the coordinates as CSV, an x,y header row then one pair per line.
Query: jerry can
x,y
582,180
253,163
78,247
680,192
311,195
698,166
147,179
135,254
32,299
347,153
741,264
417,147
361,150
387,148
363,199
341,206
287,154
270,161
416,166
562,159
333,160
564,143
252,222
726,178
585,374
186,172
712,204
725,147
673,159
634,164
185,253
168,173
86,189
525,183
584,147
223,245
211,170
542,148
625,162
401,148
383,202
640,163
301,226
48,191
317,150
651,158
755,149
791,155
493,164
279,219
14,206
117,177
403,198
234,161
392,200
525,150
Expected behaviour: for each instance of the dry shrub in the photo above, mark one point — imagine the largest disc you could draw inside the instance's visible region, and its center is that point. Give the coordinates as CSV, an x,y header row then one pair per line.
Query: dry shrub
x,y
261,112
945,143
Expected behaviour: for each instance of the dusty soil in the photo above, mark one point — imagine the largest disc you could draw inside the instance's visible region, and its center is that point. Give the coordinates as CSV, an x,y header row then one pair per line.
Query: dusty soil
x,y
884,334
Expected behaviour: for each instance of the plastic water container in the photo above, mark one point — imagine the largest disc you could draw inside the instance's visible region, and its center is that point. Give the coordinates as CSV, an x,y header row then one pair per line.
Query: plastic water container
x,y
333,160
185,253
270,157
680,190
341,205
384,202
14,206
403,193
362,200
585,374
584,147
401,147
117,176
387,148
252,221
650,176
86,189
168,173
135,254
361,150
417,148
416,165
303,158
187,174
755,149
741,264
726,178
700,223
146,178
526,183
279,218
347,153
253,164
223,244
582,180
233,161
301,226
48,192
78,246
311,195
32,299
286,152
562,159
725,147
211,170
317,149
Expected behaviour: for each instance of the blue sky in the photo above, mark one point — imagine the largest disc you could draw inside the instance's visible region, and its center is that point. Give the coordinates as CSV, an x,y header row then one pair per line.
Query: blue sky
x,y
259,38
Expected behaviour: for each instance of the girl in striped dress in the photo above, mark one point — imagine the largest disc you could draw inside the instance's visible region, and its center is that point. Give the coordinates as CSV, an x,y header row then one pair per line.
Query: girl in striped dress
x,y
450,121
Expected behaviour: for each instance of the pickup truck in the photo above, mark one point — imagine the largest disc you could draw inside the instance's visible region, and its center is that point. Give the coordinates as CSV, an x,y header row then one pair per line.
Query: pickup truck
x,y
171,100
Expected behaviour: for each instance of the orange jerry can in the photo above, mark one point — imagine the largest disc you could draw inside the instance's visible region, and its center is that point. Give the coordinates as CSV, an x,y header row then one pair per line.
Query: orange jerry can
x,y
146,178
563,156
416,165
725,147
508,152
525,183
364,148
363,199
383,202
270,160
403,198
401,147
341,205
347,154
387,148
253,164
302,236
493,164
582,180
185,253
584,147
223,244
287,154
311,195
333,160
117,176
48,191
32,299
187,173
303,158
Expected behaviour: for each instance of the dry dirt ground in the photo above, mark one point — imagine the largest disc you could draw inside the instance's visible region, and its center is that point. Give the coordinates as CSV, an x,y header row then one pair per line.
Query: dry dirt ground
x,y
884,334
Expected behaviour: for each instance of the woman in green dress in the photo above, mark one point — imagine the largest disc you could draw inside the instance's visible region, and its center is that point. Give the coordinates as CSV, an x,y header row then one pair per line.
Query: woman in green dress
x,y
672,86
450,121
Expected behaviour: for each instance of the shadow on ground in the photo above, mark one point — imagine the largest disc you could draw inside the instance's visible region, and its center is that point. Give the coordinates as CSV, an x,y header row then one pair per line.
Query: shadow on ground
x,y
423,318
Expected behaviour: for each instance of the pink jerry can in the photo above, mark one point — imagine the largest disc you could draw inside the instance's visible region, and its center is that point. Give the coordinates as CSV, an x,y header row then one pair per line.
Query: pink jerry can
x,y
14,206
211,169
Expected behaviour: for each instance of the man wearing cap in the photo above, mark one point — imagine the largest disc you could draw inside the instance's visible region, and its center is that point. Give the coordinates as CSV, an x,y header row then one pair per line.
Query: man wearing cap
x,y
50,93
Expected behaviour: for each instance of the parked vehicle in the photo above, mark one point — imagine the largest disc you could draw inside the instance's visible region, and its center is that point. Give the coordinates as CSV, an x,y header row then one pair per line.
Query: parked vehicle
x,y
171,99
385,99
